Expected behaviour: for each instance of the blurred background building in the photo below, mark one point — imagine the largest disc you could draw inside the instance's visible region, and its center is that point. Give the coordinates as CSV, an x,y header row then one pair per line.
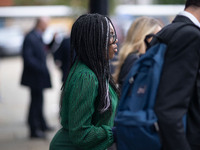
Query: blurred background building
x,y
137,1
17,17
6,3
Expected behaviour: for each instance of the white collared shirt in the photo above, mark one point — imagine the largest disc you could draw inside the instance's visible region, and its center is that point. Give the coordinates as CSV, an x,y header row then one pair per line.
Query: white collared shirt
x,y
191,17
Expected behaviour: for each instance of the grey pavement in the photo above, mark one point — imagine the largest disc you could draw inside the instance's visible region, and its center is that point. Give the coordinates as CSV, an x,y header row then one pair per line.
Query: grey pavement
x,y
14,103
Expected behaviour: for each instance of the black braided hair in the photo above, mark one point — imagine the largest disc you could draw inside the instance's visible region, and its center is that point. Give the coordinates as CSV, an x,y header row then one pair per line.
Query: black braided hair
x,y
89,44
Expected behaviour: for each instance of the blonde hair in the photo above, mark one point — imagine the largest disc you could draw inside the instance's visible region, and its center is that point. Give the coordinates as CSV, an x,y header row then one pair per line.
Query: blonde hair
x,y
134,41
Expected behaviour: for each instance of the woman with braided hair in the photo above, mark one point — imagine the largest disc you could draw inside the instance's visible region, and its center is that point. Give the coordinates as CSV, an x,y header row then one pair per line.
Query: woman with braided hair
x,y
89,96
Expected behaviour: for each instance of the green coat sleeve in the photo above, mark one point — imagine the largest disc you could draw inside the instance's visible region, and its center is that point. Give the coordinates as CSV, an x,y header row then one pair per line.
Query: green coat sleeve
x,y
82,132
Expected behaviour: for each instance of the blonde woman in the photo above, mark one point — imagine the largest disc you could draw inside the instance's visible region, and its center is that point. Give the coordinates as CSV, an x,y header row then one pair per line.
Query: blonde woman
x,y
134,45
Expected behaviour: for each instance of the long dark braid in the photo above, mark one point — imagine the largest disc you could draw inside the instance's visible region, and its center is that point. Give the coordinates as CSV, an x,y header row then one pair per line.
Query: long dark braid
x,y
90,40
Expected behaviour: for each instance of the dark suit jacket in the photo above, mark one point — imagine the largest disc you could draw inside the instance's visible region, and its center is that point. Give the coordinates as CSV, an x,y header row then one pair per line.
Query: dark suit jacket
x,y
179,87
35,73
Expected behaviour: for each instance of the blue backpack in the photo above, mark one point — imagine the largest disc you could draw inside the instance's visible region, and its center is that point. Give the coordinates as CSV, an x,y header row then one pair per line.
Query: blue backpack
x,y
136,122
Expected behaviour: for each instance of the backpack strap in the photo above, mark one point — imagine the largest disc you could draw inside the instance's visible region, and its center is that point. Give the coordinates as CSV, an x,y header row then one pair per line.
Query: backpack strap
x,y
148,36
158,38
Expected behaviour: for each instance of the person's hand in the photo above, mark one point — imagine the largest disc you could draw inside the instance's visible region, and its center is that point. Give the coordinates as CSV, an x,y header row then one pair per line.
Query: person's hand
x,y
58,63
114,131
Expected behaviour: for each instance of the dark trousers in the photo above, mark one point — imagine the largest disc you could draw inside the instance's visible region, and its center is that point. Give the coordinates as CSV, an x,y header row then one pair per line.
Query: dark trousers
x,y
36,118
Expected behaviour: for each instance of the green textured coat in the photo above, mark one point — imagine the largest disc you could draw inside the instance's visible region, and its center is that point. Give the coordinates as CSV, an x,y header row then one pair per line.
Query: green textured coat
x,y
83,128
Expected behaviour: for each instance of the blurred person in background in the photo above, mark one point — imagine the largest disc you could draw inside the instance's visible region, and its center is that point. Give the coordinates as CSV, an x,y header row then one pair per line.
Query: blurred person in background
x,y
62,57
134,46
120,37
89,96
36,76
178,94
